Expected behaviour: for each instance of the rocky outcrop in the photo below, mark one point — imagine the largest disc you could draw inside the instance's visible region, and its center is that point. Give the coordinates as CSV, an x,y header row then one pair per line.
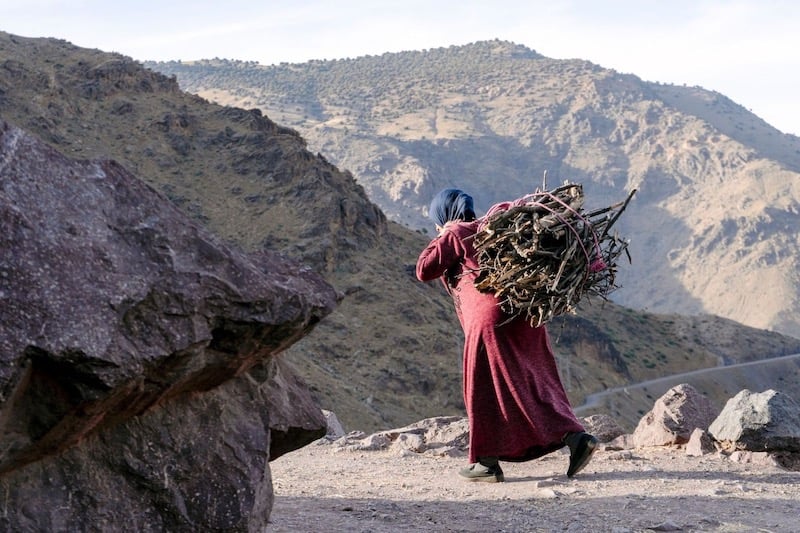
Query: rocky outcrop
x,y
137,379
674,417
441,436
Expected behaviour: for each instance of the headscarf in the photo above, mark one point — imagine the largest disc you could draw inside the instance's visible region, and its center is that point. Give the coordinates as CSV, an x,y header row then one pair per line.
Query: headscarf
x,y
451,204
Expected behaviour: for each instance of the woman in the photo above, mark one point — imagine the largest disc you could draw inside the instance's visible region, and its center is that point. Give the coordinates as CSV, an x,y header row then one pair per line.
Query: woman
x,y
516,405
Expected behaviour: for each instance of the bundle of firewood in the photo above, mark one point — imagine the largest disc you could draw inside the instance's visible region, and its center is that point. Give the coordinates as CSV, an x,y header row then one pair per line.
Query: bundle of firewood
x,y
542,253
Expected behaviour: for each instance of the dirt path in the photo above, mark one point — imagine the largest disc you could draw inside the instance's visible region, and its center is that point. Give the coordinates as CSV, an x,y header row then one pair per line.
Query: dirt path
x,y
324,488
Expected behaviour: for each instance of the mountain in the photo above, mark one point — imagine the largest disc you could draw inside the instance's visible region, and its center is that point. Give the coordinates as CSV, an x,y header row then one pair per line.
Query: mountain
x,y
390,354
713,227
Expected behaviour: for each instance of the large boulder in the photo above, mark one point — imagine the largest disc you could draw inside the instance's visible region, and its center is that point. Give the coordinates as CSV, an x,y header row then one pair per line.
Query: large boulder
x,y
138,384
674,417
768,421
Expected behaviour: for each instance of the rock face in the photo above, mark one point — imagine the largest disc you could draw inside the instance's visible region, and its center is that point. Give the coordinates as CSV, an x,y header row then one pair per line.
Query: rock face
x,y
759,422
124,326
674,417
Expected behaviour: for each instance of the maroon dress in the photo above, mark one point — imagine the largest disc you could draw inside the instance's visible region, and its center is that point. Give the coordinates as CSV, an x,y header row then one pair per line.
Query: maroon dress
x,y
516,405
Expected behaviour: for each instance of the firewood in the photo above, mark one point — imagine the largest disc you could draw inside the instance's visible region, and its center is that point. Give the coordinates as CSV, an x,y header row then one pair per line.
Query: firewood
x,y
544,253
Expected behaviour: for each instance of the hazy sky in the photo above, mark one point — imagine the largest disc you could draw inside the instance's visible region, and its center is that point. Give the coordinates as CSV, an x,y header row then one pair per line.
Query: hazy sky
x,y
748,50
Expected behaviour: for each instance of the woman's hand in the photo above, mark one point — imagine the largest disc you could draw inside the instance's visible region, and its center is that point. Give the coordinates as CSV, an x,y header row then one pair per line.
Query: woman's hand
x,y
441,229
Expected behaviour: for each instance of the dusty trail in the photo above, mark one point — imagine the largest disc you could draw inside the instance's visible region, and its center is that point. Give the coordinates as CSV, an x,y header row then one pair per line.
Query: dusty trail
x,y
323,488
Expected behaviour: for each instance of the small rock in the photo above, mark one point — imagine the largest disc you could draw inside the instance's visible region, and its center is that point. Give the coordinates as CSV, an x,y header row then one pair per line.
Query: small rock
x,y
603,427
669,525
547,494
335,429
756,458
410,442
623,442
700,443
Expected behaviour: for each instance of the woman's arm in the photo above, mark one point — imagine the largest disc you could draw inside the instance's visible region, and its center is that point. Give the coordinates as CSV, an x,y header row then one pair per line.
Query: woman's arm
x,y
442,253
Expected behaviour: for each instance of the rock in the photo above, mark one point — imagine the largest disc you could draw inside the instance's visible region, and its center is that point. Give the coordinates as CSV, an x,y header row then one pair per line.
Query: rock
x,y
755,458
603,427
759,422
700,443
437,432
673,418
295,419
138,386
409,442
334,427
374,442
440,436
667,525
623,442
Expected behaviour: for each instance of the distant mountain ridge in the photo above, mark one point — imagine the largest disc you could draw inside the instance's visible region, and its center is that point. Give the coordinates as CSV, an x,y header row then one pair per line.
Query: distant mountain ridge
x,y
389,354
713,226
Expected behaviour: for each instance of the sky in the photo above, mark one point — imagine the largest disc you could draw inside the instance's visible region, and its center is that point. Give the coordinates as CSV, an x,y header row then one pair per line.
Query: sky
x,y
747,50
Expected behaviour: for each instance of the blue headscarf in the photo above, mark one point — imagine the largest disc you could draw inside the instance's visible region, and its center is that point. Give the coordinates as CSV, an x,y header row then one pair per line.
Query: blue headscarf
x,y
451,204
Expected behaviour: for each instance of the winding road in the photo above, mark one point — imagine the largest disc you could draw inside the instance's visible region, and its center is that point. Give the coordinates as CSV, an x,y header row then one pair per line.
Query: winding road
x,y
594,400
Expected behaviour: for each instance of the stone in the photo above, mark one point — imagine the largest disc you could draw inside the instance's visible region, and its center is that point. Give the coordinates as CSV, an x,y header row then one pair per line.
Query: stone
x,y
603,427
410,442
700,443
755,458
674,416
139,383
759,422
295,418
334,429
374,442
438,432
623,442
445,436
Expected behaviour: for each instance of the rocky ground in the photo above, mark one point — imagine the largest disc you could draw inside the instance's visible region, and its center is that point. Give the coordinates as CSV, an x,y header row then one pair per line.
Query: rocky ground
x,y
322,487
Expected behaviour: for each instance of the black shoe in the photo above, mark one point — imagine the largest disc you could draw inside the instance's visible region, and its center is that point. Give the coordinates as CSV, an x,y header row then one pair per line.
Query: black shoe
x,y
581,447
479,472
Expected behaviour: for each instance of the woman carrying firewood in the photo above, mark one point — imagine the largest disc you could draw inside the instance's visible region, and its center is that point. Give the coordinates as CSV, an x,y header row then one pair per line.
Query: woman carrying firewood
x,y
515,401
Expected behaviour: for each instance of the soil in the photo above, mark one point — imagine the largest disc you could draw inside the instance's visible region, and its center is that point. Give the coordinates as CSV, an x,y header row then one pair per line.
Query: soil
x,y
324,488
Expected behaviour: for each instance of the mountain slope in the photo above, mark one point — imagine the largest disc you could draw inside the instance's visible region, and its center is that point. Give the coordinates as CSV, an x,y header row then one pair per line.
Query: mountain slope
x,y
390,353
713,226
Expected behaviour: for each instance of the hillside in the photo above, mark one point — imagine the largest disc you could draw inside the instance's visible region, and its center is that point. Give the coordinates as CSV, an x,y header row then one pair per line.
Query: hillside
x,y
713,226
390,353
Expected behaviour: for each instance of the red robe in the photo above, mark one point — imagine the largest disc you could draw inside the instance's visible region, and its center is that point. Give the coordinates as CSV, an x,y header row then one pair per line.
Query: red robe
x,y
516,405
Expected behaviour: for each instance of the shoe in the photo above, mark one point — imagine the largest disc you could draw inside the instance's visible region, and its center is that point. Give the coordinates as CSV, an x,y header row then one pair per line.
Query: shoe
x,y
581,447
479,472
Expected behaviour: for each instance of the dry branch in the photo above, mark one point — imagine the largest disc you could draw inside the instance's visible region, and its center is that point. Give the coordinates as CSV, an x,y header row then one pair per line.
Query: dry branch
x,y
542,254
